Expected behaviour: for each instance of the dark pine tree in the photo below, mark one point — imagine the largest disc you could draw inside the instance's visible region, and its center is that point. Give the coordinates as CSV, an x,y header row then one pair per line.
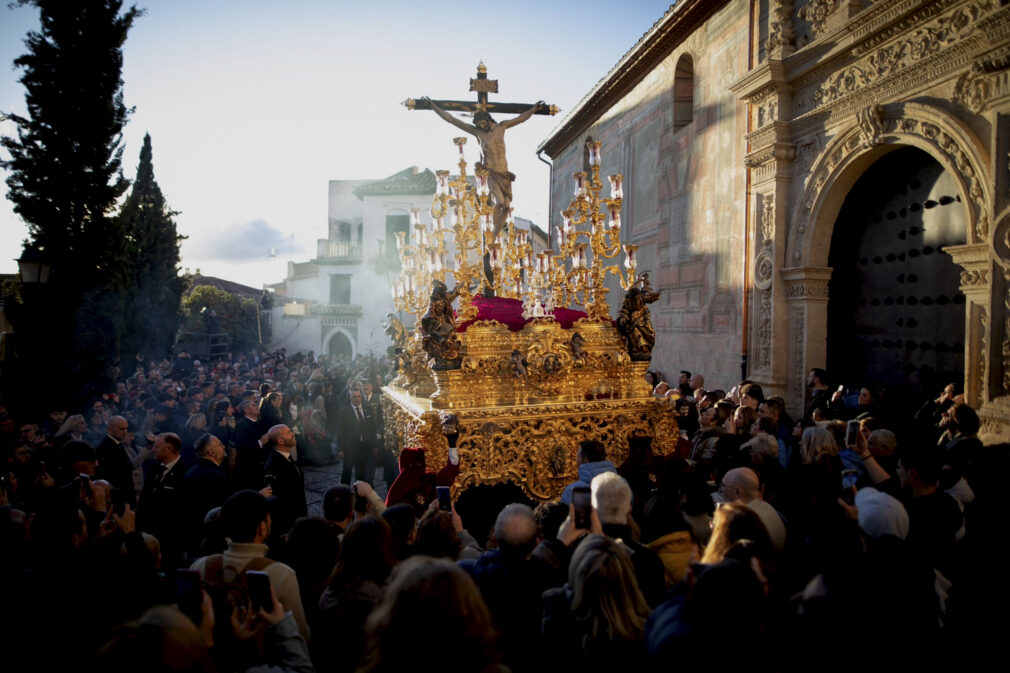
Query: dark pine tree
x,y
64,180
155,292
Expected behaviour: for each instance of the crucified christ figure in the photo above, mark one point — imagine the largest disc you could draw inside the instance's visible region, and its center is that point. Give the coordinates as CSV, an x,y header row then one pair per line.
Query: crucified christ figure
x,y
491,136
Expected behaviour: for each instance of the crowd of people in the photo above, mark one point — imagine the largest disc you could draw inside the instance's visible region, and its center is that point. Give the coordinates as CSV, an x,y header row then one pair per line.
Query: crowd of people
x,y
165,527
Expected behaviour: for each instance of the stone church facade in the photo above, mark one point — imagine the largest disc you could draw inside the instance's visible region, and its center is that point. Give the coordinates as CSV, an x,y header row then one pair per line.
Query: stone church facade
x,y
817,183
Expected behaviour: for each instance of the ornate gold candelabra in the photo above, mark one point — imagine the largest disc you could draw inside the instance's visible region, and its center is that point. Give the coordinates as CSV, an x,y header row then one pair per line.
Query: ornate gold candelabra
x,y
585,240
468,206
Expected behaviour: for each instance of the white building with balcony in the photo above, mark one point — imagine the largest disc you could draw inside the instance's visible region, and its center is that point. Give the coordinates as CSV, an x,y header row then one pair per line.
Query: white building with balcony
x,y
337,302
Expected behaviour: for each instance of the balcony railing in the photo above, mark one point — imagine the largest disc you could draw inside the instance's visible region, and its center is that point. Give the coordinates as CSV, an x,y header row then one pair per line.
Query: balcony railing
x,y
345,250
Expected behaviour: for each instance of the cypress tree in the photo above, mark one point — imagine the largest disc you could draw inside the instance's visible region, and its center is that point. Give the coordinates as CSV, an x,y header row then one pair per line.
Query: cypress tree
x,y
152,306
64,180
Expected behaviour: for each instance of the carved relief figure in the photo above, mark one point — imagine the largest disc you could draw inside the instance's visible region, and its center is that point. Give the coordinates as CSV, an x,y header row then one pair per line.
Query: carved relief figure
x,y
517,365
634,322
578,347
397,333
438,327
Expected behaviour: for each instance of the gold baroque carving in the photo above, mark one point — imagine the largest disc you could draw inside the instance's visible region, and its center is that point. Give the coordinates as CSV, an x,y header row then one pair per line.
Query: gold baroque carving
x,y
904,53
533,446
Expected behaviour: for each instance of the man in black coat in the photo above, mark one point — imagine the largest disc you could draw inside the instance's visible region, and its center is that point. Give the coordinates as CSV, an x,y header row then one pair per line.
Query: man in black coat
x,y
205,485
512,584
282,474
373,401
612,501
356,439
819,395
161,510
249,454
114,464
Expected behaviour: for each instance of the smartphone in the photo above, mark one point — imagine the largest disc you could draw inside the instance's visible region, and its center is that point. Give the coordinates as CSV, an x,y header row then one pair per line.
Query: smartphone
x,y
582,500
189,594
444,501
852,433
849,479
259,590
85,481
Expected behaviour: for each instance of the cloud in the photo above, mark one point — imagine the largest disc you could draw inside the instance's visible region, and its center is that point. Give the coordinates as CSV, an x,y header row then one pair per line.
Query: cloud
x,y
241,242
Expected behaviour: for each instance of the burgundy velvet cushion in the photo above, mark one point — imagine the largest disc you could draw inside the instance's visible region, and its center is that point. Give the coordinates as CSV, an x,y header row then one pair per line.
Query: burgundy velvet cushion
x,y
509,312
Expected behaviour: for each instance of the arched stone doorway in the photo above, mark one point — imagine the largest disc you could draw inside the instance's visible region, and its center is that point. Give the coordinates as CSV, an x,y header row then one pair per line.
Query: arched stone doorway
x,y
814,213
896,314
338,343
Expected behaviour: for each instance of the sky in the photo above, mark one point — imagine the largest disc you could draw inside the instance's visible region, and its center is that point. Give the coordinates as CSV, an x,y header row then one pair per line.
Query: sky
x,y
254,106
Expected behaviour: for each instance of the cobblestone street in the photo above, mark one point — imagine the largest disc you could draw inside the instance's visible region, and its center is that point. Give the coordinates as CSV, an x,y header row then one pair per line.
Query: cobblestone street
x,y
319,479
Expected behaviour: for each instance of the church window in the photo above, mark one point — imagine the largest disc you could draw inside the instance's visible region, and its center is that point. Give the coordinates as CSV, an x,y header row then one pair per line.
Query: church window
x,y
683,92
340,288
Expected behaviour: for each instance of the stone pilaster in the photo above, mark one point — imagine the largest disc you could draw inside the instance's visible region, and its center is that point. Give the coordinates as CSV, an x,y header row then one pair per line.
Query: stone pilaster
x,y
806,299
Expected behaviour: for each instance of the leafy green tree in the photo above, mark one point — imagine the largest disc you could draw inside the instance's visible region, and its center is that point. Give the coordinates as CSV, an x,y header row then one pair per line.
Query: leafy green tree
x,y
65,177
153,296
238,316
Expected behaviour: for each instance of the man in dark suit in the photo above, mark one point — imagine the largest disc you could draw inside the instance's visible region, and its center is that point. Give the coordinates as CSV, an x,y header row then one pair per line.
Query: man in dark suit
x,y
114,464
355,440
249,454
373,401
160,511
205,485
282,474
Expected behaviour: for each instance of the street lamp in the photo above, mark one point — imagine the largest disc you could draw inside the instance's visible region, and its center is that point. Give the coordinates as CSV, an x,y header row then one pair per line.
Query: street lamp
x,y
33,267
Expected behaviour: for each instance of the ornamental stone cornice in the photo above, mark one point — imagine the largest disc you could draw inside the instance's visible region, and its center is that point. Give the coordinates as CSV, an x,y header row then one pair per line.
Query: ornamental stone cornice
x,y
976,266
763,77
806,283
878,24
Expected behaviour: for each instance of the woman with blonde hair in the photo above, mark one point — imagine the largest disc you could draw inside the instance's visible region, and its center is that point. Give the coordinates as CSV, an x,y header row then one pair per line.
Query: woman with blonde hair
x,y
73,429
600,613
816,443
735,521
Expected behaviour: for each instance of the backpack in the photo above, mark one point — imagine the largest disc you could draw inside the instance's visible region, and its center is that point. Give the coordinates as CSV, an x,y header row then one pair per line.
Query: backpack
x,y
227,585
228,589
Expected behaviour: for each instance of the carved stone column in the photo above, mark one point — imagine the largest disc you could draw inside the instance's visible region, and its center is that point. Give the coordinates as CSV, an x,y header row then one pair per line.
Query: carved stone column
x,y
827,15
806,298
781,40
977,279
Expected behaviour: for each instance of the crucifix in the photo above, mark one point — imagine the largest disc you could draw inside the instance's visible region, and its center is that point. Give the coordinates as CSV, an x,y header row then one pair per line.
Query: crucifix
x,y
489,133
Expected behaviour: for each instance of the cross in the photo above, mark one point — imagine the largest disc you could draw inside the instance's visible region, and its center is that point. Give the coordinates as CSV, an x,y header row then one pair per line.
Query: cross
x,y
483,86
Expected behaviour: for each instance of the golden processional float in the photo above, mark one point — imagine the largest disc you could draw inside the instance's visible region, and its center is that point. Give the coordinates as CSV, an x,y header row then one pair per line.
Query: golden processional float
x,y
527,378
